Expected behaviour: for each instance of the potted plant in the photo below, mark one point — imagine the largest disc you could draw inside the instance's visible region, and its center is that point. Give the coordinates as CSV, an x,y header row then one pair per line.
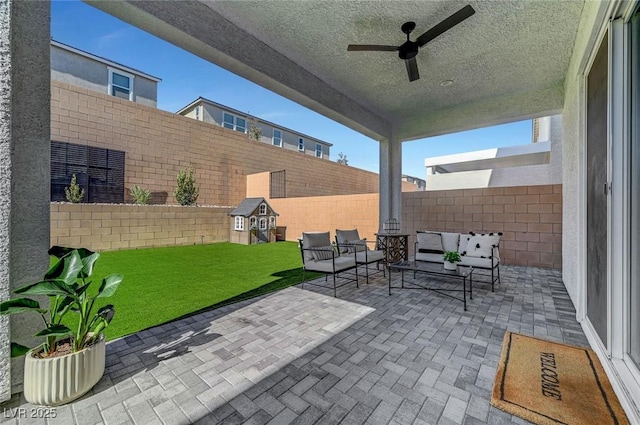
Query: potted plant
x,y
70,361
451,258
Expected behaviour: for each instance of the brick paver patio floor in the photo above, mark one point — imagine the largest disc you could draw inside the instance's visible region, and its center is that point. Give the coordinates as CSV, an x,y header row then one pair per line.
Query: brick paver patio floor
x,y
303,356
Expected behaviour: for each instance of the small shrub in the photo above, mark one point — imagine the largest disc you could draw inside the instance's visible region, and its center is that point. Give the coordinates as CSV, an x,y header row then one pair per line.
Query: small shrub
x,y
74,192
254,132
186,192
140,196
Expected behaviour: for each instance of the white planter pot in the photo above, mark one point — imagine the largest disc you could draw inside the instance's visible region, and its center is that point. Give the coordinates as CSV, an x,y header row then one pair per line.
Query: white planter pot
x,y
59,380
450,266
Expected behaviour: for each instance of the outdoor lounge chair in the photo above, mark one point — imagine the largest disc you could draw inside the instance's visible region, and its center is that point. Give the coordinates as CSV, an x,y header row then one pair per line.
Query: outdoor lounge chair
x,y
348,241
319,255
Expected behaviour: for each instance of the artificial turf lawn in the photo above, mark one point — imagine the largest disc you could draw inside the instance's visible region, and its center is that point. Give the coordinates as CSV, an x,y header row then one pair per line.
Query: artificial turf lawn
x,y
162,284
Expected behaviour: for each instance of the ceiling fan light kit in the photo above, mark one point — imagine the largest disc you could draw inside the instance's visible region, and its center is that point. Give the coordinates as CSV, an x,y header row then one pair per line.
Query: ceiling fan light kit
x,y
409,49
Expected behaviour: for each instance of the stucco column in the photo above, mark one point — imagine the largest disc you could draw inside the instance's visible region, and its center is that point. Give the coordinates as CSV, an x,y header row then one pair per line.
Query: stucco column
x,y
25,92
390,180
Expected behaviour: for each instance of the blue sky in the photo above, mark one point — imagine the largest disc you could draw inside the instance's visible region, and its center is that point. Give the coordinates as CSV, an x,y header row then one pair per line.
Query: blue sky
x,y
185,77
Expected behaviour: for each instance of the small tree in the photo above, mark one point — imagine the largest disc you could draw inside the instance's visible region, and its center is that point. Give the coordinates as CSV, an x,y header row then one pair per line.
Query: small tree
x,y
186,192
254,132
140,196
74,192
342,159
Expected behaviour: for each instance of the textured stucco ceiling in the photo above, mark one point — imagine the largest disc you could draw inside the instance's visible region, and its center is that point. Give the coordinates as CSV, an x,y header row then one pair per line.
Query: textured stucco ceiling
x,y
508,61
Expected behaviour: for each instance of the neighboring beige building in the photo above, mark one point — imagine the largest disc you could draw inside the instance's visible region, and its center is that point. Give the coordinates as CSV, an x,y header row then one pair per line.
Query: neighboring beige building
x,y
114,144
537,163
83,69
264,131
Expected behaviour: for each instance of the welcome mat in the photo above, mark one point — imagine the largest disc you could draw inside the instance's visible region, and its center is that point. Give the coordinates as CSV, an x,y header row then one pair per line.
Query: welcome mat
x,y
549,383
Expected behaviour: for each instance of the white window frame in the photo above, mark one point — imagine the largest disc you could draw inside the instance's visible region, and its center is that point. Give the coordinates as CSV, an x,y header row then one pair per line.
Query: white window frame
x,y
318,150
239,223
110,86
263,223
253,221
272,222
262,209
234,122
274,138
236,126
300,144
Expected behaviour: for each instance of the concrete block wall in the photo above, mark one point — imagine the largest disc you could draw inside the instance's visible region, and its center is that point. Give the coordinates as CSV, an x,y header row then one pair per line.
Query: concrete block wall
x,y
158,144
322,213
530,218
107,227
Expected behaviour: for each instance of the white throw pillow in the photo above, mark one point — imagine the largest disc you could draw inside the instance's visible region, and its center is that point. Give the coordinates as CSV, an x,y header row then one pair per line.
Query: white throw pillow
x,y
429,242
482,245
464,241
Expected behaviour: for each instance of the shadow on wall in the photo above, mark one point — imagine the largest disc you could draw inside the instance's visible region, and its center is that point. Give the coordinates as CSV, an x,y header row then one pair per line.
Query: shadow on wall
x,y
158,198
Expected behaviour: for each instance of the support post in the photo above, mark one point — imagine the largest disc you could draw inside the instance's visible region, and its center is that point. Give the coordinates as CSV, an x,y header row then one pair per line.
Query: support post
x,y
25,146
390,181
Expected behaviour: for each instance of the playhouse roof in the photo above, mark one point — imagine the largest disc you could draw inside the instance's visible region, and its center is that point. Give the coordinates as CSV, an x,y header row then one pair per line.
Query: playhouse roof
x,y
248,206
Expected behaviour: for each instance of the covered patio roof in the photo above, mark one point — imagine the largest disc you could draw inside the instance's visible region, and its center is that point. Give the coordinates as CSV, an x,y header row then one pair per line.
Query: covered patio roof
x,y
507,62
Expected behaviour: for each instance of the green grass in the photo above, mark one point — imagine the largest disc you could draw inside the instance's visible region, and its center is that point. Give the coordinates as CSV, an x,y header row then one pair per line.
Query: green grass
x,y
162,284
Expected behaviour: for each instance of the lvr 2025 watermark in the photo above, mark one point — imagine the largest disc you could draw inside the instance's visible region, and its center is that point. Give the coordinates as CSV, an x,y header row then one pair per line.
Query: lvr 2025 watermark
x,y
32,412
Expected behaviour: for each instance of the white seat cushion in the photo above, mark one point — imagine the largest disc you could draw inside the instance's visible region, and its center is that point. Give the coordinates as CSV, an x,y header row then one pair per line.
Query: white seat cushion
x,y
326,266
432,258
484,263
363,257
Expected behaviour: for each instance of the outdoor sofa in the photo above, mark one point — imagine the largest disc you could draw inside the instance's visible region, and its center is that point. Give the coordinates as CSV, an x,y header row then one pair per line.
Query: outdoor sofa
x,y
478,250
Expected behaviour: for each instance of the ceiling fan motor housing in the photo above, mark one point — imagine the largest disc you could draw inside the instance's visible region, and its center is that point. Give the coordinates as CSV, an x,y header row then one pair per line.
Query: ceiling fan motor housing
x,y
408,50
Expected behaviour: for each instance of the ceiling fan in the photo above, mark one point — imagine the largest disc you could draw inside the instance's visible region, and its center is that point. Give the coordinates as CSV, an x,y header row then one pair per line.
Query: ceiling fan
x,y
409,49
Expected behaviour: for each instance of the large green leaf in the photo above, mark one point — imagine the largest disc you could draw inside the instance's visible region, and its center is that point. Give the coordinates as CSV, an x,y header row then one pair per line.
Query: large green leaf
x,y
18,350
55,330
50,288
88,262
18,305
109,285
106,312
67,268
61,251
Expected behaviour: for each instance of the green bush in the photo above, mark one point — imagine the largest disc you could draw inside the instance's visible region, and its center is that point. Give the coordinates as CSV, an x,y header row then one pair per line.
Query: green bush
x,y
140,196
186,192
74,192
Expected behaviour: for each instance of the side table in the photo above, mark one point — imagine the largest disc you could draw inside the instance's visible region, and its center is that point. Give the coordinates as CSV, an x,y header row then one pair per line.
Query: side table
x,y
394,245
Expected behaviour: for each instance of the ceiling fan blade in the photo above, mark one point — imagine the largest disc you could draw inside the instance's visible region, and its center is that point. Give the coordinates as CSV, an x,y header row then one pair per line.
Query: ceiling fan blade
x,y
412,69
446,25
371,48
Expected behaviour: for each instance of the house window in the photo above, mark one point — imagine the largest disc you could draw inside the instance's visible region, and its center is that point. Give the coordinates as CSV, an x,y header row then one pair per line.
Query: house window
x,y
241,125
120,84
234,123
300,144
253,222
272,222
239,223
263,209
277,137
318,150
263,224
